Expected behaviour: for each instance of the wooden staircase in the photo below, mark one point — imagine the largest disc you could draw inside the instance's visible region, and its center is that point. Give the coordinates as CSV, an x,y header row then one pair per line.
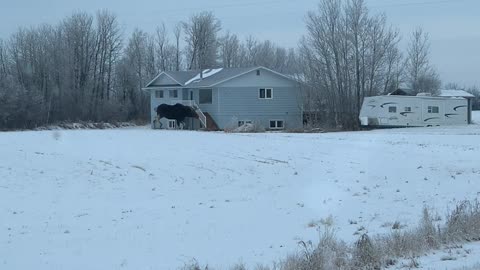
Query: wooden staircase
x,y
193,104
211,124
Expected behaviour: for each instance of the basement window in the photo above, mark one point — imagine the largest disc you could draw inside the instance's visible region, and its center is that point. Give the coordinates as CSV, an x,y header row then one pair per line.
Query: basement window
x,y
173,93
392,109
172,124
205,96
159,94
433,109
277,124
266,93
243,122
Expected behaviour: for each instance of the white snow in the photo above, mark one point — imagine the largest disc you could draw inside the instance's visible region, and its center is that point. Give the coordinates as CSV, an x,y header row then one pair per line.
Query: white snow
x,y
476,117
452,257
148,199
455,93
206,73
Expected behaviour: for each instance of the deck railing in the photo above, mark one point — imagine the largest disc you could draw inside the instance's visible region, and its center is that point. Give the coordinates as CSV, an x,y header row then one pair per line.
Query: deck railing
x,y
193,104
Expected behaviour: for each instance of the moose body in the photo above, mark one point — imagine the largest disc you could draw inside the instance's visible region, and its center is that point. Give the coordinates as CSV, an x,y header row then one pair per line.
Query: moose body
x,y
176,112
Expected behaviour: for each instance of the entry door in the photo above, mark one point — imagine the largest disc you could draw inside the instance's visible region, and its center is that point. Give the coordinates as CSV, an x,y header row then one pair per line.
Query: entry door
x,y
433,112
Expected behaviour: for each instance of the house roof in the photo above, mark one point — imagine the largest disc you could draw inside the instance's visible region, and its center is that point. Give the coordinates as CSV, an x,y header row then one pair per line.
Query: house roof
x,y
402,92
211,77
455,93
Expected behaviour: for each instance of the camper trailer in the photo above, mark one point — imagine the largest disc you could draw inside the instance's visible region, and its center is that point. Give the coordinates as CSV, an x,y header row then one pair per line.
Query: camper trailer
x,y
413,111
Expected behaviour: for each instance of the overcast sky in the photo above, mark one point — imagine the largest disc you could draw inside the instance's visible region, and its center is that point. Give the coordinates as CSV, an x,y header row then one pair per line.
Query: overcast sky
x,y
454,25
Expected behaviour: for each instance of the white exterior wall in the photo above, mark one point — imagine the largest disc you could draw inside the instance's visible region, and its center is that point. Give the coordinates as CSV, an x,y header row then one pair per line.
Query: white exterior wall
x,y
375,111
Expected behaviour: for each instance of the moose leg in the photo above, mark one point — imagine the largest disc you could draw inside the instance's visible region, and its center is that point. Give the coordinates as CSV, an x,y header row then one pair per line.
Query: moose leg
x,y
159,122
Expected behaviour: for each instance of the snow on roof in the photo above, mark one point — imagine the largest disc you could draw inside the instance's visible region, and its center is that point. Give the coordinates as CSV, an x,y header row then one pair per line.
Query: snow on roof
x,y
455,93
206,73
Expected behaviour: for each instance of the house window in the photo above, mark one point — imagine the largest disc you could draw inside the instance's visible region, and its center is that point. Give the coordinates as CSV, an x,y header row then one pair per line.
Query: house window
x,y
172,124
243,122
173,93
258,72
392,109
205,96
266,93
277,124
433,109
408,109
159,94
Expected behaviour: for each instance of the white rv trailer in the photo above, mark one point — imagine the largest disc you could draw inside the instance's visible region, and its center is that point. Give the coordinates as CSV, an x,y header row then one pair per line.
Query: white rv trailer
x,y
413,111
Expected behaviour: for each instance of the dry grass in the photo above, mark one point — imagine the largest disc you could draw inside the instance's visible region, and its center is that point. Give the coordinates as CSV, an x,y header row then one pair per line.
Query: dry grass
x,y
381,251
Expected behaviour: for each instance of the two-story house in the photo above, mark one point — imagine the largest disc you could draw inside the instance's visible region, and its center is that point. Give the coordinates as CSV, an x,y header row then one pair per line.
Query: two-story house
x,y
230,97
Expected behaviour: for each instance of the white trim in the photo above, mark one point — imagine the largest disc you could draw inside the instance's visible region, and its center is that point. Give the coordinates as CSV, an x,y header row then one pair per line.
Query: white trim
x,y
254,69
158,76
244,122
276,124
159,90
266,91
227,79
174,124
174,91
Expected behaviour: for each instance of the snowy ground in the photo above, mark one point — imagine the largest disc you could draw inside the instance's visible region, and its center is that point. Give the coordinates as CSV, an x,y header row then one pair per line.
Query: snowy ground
x,y
144,199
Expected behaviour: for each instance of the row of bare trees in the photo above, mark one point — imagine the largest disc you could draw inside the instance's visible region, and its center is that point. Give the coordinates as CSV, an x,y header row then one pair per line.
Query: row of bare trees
x,y
348,54
83,68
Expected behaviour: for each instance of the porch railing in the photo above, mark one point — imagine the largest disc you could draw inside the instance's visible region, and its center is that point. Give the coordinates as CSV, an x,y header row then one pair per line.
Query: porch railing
x,y
193,104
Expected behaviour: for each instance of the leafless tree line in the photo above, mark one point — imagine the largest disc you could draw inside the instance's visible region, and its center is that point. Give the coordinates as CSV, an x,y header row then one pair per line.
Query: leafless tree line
x,y
84,69
349,53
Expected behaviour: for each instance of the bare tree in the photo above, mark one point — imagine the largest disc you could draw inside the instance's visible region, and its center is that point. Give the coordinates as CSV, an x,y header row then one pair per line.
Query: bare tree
x,y
348,54
229,50
177,31
201,32
162,43
421,77
107,50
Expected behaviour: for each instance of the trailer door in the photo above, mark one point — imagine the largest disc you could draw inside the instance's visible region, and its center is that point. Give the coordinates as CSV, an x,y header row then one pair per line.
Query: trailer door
x,y
433,112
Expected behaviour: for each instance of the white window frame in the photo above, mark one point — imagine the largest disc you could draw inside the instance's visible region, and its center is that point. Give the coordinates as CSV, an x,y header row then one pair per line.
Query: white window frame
x,y
171,93
244,122
390,107
170,122
430,109
157,92
276,124
408,109
266,93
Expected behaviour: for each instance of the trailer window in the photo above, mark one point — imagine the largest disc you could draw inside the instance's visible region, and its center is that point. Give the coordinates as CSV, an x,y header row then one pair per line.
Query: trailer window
x,y
433,109
408,109
392,109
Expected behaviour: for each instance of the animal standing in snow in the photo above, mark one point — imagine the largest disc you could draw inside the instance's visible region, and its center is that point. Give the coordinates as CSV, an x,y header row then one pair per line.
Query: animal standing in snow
x,y
176,112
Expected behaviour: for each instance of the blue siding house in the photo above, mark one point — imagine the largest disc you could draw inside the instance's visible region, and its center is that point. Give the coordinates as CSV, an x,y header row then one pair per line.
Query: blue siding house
x,y
230,97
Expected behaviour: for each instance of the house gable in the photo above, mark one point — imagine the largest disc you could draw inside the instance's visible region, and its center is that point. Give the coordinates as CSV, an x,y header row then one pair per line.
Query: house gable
x,y
266,78
163,80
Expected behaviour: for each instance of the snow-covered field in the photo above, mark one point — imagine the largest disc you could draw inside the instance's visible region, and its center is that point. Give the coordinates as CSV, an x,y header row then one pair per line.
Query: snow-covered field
x,y
144,199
